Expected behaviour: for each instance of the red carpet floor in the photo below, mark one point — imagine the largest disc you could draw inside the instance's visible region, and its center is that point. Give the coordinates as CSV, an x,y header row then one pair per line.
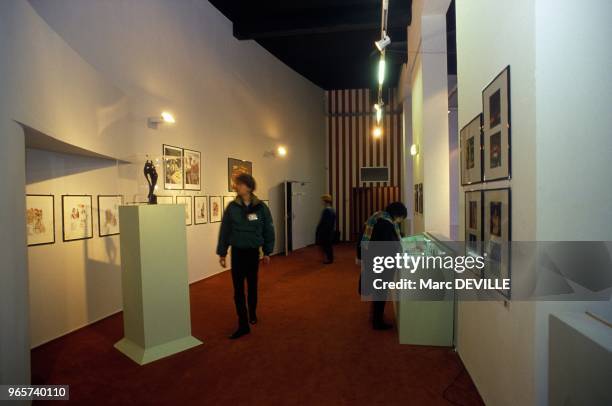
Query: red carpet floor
x,y
313,346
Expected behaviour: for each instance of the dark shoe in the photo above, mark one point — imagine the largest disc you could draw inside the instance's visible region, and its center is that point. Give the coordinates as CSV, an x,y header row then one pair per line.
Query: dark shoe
x,y
253,319
382,326
240,332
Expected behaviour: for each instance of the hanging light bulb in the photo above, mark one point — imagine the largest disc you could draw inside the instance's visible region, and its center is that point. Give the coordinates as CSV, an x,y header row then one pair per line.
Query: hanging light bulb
x,y
381,69
377,132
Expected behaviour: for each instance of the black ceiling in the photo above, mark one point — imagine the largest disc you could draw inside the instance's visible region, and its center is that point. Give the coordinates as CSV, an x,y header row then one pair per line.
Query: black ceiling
x,y
330,42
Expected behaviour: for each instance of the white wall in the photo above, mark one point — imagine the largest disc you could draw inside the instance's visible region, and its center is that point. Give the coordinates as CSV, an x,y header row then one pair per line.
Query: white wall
x,y
496,343
95,87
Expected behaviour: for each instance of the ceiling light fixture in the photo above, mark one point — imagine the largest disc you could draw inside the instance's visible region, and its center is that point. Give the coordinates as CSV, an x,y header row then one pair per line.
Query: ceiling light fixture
x,y
381,69
377,132
165,117
382,43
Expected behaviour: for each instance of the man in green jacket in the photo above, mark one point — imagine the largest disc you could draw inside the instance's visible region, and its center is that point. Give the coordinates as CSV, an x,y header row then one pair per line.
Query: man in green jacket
x,y
246,227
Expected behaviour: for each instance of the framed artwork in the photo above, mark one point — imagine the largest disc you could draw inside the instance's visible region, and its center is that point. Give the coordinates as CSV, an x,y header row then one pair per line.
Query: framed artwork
x,y
420,198
216,209
473,222
227,200
40,219
193,169
416,198
165,200
234,168
77,217
496,128
173,167
108,214
187,201
470,138
201,209
497,229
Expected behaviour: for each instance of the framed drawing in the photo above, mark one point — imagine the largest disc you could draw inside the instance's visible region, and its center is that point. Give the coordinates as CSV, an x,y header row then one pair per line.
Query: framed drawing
x,y
76,217
216,209
496,128
165,200
473,222
234,168
227,200
421,198
40,219
201,209
188,202
108,214
470,139
173,167
416,198
193,169
497,233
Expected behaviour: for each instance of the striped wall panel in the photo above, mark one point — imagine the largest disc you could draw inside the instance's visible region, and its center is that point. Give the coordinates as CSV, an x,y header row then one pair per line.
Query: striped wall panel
x,y
367,200
350,146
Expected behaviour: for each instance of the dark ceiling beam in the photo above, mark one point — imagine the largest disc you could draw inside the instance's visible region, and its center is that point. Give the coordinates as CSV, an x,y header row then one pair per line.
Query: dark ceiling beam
x,y
324,23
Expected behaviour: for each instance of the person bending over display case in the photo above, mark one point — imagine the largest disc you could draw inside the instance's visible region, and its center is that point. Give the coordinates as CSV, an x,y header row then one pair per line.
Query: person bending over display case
x,y
247,227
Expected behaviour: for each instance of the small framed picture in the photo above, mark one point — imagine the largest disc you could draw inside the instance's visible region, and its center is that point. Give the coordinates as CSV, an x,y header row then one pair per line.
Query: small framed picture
x,y
227,200
416,198
40,219
496,128
173,167
473,222
421,198
470,138
234,168
108,214
193,169
187,201
77,217
216,209
201,209
497,233
165,200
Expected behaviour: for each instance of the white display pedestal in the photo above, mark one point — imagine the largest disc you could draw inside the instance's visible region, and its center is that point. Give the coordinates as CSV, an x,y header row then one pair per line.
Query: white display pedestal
x,y
156,313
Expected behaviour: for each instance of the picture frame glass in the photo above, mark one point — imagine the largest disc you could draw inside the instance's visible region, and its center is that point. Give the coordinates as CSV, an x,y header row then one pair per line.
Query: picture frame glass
x,y
108,214
173,167
201,209
216,209
40,219
234,168
497,230
471,151
77,217
187,202
192,169
496,128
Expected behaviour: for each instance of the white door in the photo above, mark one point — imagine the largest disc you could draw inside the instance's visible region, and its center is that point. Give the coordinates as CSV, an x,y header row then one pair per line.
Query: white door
x,y
301,229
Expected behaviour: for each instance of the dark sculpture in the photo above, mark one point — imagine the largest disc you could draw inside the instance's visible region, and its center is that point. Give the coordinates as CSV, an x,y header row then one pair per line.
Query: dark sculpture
x,y
151,175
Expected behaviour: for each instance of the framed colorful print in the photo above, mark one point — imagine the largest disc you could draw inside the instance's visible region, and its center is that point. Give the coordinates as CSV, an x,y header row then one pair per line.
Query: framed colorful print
x,y
234,168
470,138
227,200
193,169
473,222
40,219
76,217
173,167
216,209
188,202
165,200
108,214
497,233
201,209
496,128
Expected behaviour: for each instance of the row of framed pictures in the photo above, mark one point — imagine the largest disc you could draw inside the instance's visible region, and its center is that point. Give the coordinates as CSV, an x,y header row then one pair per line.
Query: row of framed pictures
x,y
77,218
418,198
485,140
183,169
488,229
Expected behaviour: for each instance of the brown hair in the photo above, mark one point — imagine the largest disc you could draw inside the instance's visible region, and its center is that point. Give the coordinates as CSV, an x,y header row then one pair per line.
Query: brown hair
x,y
247,180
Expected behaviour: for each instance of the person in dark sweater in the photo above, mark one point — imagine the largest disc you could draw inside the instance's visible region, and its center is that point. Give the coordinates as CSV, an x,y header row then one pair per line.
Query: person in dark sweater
x,y
383,226
325,230
247,227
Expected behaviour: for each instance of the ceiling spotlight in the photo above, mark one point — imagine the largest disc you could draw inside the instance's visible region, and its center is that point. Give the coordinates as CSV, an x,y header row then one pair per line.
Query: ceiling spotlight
x,y
281,151
165,117
382,43
377,132
381,69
